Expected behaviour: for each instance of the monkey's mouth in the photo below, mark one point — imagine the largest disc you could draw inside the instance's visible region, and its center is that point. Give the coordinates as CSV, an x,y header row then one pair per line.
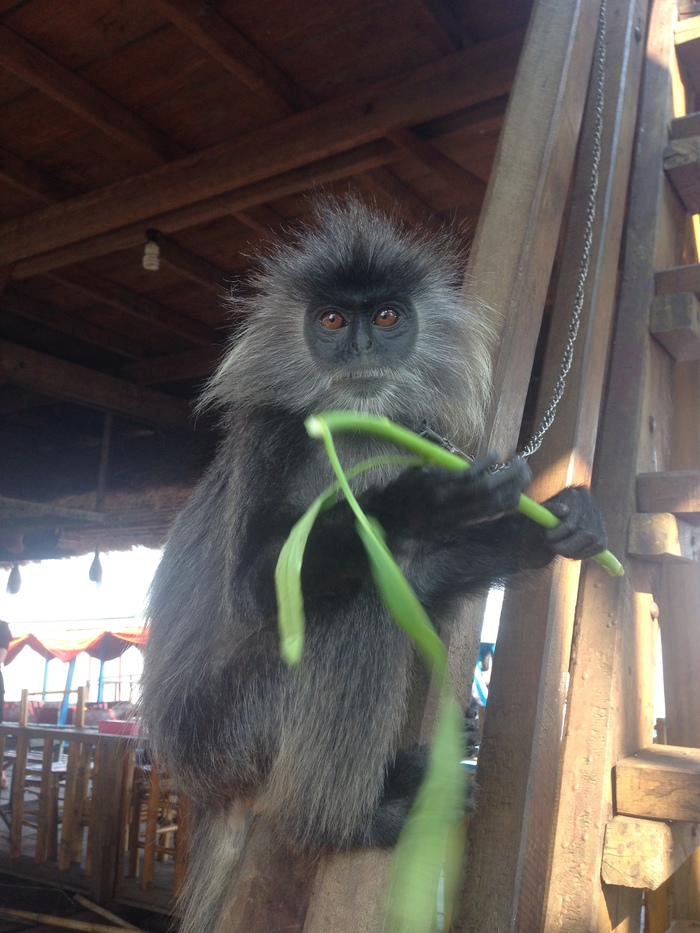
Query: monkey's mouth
x,y
360,375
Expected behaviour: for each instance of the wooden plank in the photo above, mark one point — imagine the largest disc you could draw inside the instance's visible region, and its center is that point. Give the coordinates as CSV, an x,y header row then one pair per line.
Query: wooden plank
x,y
615,628
133,347
458,177
107,804
69,89
660,782
510,836
192,364
32,180
208,29
73,383
118,296
645,853
678,279
44,819
70,825
661,536
674,320
19,774
676,491
191,266
678,599
684,926
457,81
687,45
682,165
683,127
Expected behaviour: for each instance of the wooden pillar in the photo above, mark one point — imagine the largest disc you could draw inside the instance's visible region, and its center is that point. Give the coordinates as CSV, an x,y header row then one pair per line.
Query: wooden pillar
x,y
510,836
108,802
609,703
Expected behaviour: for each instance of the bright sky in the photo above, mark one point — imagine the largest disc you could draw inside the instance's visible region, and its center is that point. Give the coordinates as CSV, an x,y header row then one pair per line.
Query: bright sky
x,y
57,597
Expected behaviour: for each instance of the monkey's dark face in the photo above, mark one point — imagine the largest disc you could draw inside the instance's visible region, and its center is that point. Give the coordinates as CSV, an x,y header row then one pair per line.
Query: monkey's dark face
x,y
361,337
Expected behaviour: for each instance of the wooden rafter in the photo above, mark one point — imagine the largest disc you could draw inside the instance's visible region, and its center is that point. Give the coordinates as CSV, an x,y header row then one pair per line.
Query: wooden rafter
x,y
82,98
460,80
41,312
209,30
140,306
70,382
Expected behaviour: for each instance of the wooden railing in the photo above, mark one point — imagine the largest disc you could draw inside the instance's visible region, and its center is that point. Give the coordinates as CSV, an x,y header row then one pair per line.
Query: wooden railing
x,y
89,810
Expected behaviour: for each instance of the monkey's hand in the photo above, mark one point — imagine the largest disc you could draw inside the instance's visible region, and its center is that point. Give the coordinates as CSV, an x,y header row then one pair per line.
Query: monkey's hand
x,y
581,532
433,503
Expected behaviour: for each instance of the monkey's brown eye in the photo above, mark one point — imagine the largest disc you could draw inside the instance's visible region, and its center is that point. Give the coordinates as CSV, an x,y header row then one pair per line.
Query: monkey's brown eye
x,y
332,320
385,317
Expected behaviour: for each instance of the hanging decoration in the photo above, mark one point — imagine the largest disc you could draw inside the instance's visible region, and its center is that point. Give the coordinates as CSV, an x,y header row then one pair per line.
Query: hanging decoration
x,y
14,581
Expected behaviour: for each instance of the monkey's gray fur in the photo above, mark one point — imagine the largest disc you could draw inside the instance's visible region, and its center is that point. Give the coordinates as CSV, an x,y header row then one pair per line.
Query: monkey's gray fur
x,y
354,314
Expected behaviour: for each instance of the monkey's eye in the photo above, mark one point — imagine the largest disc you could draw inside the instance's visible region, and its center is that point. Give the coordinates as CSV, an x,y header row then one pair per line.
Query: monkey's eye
x,y
332,320
386,317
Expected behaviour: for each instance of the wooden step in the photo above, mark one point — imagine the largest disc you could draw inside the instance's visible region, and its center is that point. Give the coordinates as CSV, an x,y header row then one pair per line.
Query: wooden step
x,y
676,491
661,537
674,320
644,853
661,782
682,167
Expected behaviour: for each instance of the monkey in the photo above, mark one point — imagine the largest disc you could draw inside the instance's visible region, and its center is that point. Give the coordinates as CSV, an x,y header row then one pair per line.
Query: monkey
x,y
355,313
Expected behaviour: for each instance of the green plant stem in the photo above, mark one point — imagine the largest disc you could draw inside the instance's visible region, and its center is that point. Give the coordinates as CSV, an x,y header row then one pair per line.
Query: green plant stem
x,y
343,422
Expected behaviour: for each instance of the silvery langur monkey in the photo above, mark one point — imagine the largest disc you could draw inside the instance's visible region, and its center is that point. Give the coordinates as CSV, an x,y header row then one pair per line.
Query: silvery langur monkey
x,y
354,314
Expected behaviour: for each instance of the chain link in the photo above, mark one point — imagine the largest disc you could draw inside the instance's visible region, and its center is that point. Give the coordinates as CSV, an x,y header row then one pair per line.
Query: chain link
x,y
536,440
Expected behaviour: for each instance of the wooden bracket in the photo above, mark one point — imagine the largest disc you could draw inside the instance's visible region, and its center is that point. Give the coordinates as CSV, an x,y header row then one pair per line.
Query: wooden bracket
x,y
675,322
676,491
660,536
644,853
661,782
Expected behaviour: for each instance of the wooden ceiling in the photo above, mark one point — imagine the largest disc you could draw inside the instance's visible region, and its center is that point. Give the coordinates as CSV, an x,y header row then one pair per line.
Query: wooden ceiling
x,y
209,123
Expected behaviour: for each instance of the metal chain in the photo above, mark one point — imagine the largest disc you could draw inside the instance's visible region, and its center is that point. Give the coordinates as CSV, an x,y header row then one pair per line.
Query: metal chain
x,y
536,440
547,419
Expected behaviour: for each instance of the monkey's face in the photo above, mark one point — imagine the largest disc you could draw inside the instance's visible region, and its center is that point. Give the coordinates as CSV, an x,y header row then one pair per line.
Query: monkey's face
x,y
361,339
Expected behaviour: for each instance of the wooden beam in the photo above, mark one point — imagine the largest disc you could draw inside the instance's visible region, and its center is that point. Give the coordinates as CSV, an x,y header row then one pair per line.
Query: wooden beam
x,y
615,634
393,194
335,168
193,364
661,536
678,279
459,178
70,382
687,36
661,782
460,80
215,35
33,181
140,306
192,266
674,320
676,491
88,102
133,347
645,853
683,127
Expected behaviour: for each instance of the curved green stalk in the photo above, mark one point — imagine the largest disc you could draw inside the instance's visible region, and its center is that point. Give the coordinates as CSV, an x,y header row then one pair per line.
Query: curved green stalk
x,y
347,422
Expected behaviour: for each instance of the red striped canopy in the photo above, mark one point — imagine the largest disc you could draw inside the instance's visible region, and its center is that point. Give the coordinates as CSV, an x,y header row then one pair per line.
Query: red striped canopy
x,y
98,644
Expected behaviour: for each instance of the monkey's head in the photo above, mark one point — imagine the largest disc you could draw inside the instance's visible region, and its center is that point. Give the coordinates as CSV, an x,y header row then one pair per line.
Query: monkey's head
x,y
357,314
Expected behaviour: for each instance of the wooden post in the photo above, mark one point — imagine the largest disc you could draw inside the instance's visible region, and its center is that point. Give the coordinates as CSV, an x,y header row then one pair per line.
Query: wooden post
x,y
510,835
45,820
609,703
107,802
